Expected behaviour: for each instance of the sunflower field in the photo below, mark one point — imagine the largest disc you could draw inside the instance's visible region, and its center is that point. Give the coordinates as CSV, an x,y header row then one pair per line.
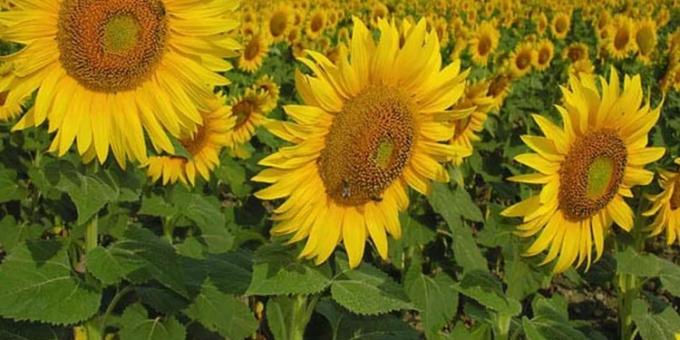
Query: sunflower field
x,y
339,169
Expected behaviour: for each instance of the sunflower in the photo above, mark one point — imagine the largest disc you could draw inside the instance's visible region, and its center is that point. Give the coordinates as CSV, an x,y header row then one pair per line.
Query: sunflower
x,y
254,51
484,42
586,168
545,51
581,68
499,89
561,24
621,40
575,52
378,12
541,22
203,146
106,71
466,129
8,110
645,39
279,21
270,88
316,24
666,206
249,112
521,59
371,126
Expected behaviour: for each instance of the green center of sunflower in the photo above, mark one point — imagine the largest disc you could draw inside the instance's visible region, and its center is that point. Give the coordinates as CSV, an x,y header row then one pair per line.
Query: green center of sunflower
x,y
591,174
111,46
278,23
645,39
368,146
121,34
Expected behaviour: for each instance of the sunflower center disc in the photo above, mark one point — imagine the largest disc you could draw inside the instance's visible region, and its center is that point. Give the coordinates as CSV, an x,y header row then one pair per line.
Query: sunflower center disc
x,y
243,109
621,39
252,49
111,45
645,40
543,55
523,60
675,197
368,146
3,97
484,45
591,174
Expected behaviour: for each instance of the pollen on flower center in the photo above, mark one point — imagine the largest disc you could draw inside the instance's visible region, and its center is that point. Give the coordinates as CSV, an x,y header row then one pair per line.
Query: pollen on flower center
x,y
111,46
121,33
368,146
591,174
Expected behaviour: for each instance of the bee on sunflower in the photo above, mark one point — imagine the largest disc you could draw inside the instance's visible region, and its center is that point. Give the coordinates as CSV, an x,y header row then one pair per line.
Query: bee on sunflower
x,y
586,167
372,125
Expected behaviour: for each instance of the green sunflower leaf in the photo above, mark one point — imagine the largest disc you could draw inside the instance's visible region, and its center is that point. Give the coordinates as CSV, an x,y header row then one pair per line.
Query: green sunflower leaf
x,y
655,326
139,256
346,325
37,283
136,325
367,291
434,296
276,271
222,313
488,291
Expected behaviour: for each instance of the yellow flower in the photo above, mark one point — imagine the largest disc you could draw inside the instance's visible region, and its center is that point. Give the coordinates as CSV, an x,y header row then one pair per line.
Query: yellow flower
x,y
203,146
581,68
378,12
279,21
665,206
544,54
621,38
541,22
466,129
270,88
484,42
561,24
586,168
645,39
254,52
8,110
576,52
104,72
521,59
499,88
370,127
249,112
316,24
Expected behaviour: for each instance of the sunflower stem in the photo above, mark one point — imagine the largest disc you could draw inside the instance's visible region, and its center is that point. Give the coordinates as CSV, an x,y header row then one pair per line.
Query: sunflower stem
x,y
503,326
303,307
91,234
